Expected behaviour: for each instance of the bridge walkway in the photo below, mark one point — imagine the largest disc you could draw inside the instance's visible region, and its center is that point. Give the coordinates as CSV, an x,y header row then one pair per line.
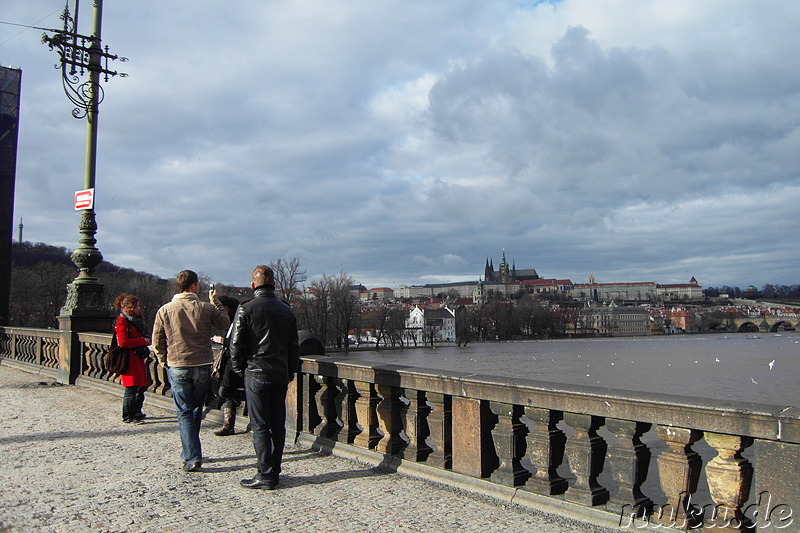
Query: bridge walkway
x,y
69,464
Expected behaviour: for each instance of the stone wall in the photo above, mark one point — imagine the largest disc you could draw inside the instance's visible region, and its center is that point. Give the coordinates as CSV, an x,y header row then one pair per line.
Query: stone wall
x,y
636,459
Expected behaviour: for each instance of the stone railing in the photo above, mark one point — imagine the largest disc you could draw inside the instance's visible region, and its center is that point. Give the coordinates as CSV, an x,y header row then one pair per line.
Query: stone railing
x,y
633,460
40,350
34,348
94,347
637,459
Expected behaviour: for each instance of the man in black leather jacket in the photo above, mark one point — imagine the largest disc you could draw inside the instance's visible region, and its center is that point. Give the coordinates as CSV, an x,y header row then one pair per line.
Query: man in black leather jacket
x,y
264,350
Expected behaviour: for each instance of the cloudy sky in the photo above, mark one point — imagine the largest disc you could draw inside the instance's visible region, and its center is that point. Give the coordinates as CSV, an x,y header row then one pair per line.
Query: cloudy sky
x,y
406,142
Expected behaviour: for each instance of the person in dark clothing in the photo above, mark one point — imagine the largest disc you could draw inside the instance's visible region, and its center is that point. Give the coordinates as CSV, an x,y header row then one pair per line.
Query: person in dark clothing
x,y
231,385
265,351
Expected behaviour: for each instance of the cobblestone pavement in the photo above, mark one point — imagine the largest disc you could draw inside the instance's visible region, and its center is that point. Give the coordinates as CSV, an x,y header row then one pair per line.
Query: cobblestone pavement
x,y
69,464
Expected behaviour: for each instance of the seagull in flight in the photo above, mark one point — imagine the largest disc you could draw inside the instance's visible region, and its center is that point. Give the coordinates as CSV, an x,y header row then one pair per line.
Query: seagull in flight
x,y
771,364
754,381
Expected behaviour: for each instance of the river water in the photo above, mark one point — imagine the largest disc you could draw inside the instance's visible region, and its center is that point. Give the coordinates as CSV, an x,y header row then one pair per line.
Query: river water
x,y
724,367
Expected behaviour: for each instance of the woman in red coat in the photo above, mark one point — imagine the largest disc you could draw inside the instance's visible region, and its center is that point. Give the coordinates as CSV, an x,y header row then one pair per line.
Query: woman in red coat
x,y
130,330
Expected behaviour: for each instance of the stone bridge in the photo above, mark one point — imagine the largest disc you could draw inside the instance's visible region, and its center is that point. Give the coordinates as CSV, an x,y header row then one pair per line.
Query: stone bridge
x,y
638,460
764,324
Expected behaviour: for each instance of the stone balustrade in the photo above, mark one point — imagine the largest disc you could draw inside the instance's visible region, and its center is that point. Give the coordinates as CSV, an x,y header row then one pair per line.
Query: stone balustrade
x,y
643,459
36,347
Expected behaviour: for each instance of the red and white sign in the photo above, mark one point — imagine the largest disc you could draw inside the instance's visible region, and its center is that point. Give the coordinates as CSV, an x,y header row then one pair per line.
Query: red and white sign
x,y
84,199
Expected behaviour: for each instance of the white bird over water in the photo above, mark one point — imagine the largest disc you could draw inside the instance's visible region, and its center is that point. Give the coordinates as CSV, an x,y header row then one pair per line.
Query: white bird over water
x,y
754,381
771,364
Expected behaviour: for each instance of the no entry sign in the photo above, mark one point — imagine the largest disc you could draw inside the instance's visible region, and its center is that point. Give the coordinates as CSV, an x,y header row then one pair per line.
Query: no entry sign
x,y
84,199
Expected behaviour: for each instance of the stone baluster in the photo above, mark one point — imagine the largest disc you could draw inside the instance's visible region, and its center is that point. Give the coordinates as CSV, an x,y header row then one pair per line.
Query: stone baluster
x,y
93,358
729,477
98,352
509,444
366,415
160,379
586,452
311,417
25,347
629,460
415,421
389,419
346,412
325,398
679,471
47,352
440,420
39,351
546,444
6,345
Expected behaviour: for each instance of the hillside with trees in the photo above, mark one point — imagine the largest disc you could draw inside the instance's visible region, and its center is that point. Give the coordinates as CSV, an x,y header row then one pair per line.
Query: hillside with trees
x,y
40,274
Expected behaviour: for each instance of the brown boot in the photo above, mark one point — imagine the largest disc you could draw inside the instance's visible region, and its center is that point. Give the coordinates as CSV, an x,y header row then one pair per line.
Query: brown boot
x,y
228,422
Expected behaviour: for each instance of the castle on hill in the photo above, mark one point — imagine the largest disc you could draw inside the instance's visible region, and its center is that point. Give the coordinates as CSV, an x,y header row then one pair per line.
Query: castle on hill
x,y
506,274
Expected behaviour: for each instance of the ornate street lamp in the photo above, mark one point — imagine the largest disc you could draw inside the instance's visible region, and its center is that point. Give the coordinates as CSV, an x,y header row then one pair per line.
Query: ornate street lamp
x,y
82,55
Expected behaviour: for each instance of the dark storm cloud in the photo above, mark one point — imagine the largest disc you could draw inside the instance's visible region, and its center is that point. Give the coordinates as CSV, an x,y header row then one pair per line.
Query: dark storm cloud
x,y
405,142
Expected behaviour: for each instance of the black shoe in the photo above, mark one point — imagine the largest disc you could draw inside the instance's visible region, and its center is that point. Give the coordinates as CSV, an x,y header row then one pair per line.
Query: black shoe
x,y
258,483
191,466
139,416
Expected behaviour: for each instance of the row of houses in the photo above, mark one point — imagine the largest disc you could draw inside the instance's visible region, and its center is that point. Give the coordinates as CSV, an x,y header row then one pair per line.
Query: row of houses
x,y
438,323
480,291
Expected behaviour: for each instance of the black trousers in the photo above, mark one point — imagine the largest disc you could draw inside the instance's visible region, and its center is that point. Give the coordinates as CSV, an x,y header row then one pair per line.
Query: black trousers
x,y
266,407
132,402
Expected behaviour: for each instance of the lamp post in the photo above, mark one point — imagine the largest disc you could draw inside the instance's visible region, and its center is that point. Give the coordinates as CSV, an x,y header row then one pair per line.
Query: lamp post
x,y
83,63
81,55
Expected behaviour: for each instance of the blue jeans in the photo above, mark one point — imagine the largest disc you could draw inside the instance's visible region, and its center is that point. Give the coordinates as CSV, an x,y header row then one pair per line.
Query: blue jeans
x,y
190,386
266,406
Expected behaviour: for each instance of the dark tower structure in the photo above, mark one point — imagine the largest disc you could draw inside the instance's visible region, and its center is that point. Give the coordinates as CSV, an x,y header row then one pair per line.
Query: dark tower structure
x,y
507,273
504,273
10,82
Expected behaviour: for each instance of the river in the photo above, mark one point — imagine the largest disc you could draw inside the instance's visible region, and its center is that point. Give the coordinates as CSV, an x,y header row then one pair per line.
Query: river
x,y
764,369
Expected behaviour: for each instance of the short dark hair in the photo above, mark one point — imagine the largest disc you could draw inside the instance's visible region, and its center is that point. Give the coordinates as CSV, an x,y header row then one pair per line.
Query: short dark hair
x,y
185,279
231,303
263,275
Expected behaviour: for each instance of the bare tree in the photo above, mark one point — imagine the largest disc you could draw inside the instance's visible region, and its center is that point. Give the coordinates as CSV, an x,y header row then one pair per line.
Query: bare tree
x,y
314,309
432,331
376,320
344,307
395,326
288,275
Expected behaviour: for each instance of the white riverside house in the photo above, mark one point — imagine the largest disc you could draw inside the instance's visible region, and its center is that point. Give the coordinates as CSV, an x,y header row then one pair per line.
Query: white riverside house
x,y
424,322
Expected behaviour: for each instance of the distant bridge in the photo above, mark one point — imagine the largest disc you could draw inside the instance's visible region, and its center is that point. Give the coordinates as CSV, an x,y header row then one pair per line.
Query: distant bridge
x,y
764,324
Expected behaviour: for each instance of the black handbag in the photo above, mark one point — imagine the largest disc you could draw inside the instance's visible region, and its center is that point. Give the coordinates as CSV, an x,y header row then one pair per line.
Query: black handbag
x,y
142,351
117,357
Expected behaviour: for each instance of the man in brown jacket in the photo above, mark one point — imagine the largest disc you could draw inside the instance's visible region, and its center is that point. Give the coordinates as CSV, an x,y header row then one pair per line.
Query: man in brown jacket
x,y
182,341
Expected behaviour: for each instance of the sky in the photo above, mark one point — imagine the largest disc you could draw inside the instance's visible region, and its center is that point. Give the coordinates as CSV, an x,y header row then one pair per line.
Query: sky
x,y
407,142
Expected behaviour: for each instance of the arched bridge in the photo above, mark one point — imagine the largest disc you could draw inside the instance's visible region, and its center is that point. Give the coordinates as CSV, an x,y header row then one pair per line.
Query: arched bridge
x,y
765,324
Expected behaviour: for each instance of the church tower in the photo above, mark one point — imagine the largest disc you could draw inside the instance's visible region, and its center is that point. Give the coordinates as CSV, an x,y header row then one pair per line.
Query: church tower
x,y
478,293
488,272
504,274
